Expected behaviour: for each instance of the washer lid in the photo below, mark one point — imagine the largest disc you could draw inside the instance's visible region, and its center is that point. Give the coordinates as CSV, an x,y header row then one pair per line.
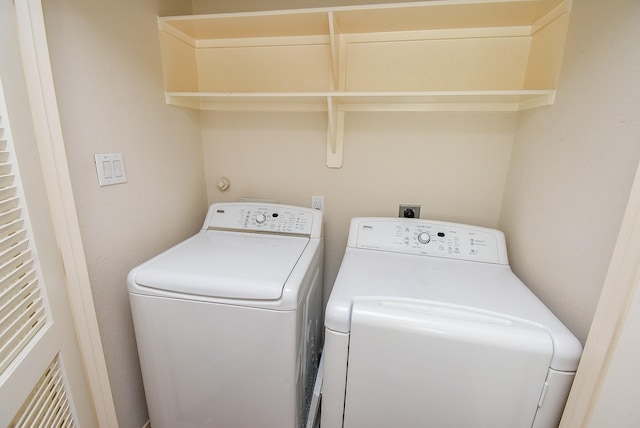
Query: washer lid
x,y
225,264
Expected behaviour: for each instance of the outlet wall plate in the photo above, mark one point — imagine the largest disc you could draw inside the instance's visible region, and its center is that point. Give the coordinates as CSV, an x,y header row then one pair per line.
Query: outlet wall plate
x,y
317,203
409,211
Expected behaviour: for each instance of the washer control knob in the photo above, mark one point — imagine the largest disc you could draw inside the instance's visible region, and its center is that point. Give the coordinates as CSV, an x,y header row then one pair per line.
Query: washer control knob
x,y
261,218
424,238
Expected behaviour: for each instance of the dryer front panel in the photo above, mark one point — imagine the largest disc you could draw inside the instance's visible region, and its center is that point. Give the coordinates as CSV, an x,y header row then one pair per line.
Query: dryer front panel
x,y
417,365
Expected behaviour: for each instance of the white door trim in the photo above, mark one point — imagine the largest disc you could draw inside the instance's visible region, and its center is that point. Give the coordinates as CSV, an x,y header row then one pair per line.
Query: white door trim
x,y
42,97
609,319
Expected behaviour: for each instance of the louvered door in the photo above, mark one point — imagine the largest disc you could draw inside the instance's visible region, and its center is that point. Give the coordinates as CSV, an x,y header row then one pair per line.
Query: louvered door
x,y
22,312
25,318
41,375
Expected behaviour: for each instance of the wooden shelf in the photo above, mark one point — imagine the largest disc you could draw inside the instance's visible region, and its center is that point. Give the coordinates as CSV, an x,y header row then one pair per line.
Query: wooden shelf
x,y
441,55
361,101
263,101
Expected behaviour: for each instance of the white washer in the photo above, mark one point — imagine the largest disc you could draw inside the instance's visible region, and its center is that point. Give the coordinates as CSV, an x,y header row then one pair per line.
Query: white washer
x,y
228,322
427,326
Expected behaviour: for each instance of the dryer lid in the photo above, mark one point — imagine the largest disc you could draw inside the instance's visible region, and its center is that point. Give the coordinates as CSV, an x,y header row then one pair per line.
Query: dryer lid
x,y
225,265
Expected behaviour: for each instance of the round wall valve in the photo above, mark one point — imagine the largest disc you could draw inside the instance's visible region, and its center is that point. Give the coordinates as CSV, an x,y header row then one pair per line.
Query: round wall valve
x,y
224,184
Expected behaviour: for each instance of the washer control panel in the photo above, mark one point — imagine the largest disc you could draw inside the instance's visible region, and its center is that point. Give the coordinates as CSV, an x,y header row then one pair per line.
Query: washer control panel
x,y
429,238
267,218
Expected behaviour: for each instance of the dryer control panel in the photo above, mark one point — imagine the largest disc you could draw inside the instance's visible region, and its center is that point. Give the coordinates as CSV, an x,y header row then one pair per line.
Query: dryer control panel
x,y
264,218
429,238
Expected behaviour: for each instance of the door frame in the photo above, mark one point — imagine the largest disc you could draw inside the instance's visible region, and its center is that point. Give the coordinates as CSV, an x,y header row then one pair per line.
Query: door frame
x,y
42,98
621,282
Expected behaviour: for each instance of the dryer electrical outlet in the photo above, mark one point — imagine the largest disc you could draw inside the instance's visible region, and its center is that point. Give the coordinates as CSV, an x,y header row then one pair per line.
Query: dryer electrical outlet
x,y
409,211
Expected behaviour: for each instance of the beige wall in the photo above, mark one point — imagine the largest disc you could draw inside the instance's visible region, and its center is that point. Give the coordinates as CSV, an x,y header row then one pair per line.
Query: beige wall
x,y
452,164
106,66
573,164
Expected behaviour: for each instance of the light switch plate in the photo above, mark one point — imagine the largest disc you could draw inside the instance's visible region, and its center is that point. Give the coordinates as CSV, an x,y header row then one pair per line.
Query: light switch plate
x,y
110,168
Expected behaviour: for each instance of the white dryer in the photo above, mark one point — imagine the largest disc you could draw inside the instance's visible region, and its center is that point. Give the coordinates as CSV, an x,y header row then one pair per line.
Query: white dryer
x,y
228,322
427,326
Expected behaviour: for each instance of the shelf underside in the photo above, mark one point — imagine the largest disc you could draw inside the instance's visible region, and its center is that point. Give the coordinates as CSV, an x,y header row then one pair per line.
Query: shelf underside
x,y
502,100
410,16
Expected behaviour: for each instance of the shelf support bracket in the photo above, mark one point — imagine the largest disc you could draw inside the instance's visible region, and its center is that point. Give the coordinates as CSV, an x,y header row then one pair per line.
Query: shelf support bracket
x,y
334,42
335,135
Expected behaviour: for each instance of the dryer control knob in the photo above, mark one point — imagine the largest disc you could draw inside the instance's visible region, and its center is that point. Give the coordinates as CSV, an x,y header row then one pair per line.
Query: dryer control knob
x,y
261,218
424,238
